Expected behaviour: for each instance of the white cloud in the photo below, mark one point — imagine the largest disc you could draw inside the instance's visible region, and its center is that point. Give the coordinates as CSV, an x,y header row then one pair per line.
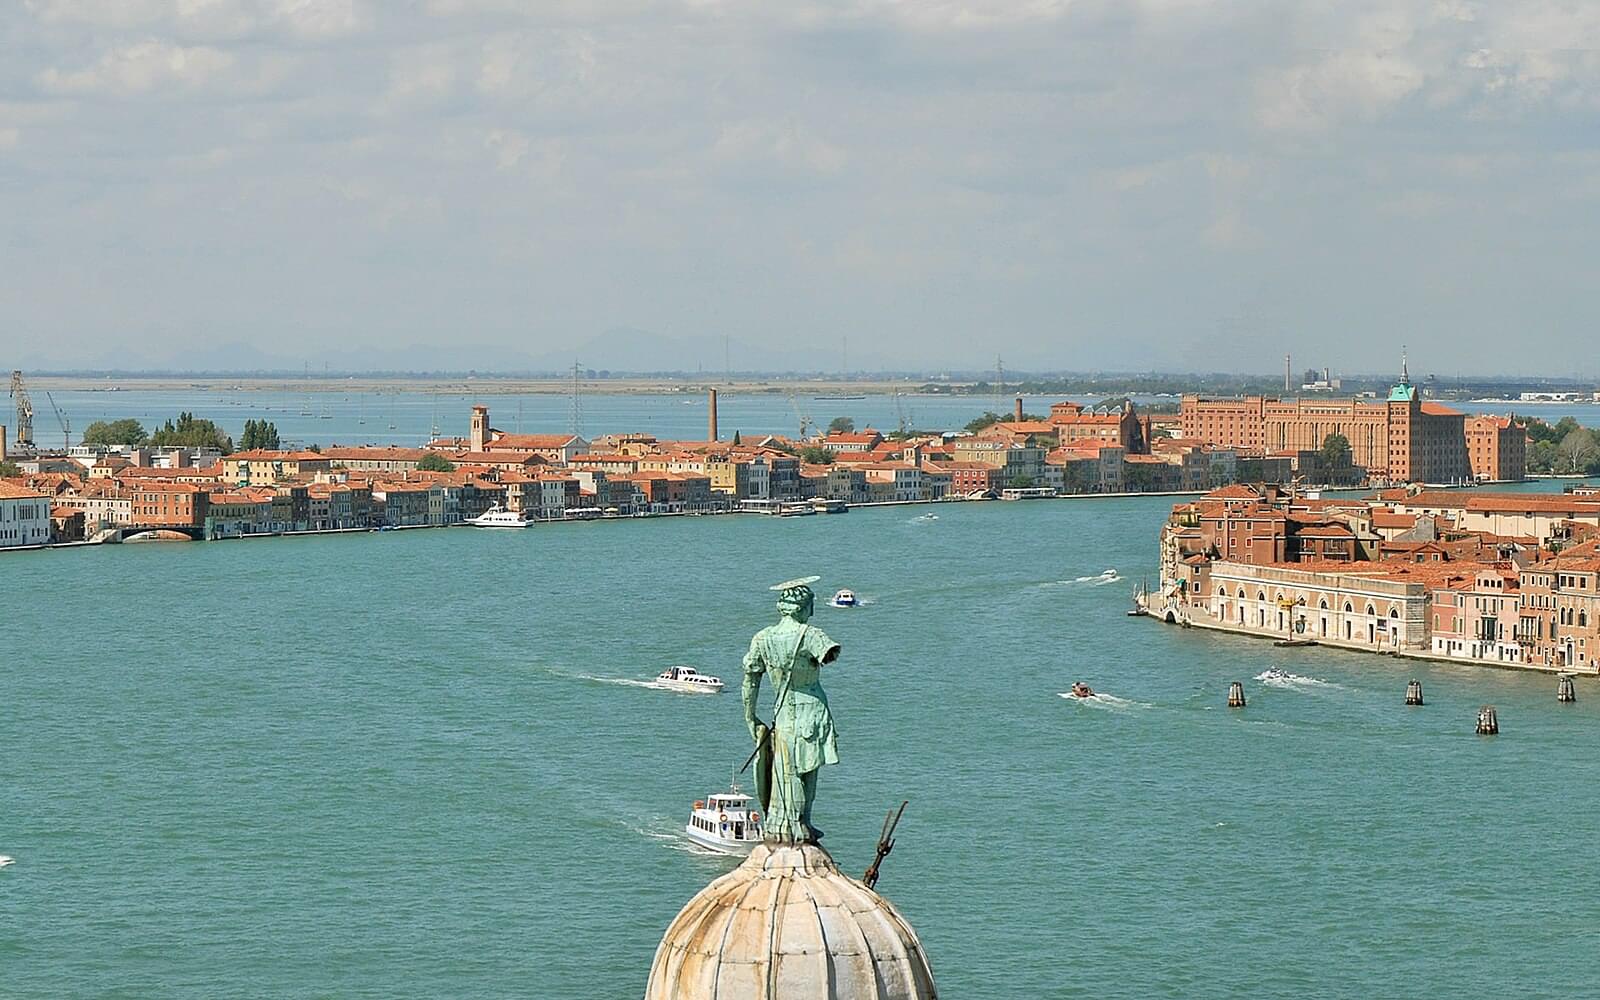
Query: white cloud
x,y
140,67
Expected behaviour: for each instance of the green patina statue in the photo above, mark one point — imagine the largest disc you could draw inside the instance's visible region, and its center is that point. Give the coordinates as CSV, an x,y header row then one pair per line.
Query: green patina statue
x,y
801,739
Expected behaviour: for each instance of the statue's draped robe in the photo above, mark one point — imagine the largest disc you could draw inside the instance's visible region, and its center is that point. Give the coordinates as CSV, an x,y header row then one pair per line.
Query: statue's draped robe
x,y
791,654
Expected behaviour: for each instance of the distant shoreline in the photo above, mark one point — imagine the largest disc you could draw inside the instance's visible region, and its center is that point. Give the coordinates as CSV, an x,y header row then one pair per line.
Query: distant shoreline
x,y
487,386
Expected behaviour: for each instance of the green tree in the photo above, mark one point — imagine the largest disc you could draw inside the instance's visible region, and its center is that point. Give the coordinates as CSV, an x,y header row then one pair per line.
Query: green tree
x,y
989,419
260,434
9,468
435,462
1576,451
1020,482
189,432
841,425
736,442
116,432
815,454
1335,453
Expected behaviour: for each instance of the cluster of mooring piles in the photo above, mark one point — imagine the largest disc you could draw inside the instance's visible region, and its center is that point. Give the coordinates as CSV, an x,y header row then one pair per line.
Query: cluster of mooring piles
x,y
787,924
1488,717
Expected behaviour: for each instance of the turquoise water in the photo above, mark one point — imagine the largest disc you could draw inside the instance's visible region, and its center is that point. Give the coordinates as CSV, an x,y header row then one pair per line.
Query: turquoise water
x,y
421,764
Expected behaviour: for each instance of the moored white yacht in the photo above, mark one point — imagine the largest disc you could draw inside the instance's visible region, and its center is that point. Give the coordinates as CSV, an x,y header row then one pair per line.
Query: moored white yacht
x,y
845,599
727,823
498,517
688,679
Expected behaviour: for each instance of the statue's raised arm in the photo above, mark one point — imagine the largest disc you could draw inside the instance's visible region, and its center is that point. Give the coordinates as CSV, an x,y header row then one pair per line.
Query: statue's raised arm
x,y
792,653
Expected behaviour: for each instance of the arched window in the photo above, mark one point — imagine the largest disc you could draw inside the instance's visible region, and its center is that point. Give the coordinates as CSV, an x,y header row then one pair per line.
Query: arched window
x,y
1241,593
1261,595
1370,609
1583,619
1323,604
1393,613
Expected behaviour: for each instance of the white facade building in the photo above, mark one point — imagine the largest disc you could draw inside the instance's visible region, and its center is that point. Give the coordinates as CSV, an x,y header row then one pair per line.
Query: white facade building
x,y
24,517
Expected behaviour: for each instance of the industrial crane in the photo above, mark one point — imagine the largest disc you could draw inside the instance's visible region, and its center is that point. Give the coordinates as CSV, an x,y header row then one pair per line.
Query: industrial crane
x,y
66,425
24,430
801,415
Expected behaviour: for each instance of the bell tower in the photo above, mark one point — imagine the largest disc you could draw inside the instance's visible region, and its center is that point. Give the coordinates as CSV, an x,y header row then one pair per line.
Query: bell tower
x,y
480,427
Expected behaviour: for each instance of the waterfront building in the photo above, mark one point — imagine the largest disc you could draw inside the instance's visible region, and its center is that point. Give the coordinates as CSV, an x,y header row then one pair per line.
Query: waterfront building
x,y
1124,427
237,513
164,505
401,503
1017,463
1477,615
104,502
1497,447
1401,439
24,516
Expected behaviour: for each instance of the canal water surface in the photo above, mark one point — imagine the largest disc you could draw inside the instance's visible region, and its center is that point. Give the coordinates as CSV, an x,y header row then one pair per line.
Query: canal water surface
x,y
428,763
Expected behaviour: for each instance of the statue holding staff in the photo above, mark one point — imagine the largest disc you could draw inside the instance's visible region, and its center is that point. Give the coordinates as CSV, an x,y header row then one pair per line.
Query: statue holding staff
x,y
801,739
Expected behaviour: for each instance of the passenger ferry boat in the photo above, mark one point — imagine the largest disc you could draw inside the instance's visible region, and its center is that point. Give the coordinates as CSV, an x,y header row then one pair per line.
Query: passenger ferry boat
x,y
689,680
498,517
727,823
845,599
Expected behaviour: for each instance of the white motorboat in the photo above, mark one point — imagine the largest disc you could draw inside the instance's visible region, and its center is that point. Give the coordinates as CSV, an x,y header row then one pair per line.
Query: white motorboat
x,y
6,859
926,517
845,599
689,680
499,517
727,823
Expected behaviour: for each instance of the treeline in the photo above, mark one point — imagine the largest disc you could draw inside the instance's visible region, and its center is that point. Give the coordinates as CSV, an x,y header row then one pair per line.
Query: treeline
x,y
186,431
1563,448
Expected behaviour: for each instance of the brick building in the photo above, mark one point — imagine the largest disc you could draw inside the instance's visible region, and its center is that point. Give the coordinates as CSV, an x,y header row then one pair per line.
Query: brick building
x,y
1497,447
1400,439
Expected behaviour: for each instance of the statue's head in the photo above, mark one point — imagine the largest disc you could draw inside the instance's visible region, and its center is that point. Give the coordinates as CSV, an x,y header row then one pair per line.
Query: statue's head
x,y
795,599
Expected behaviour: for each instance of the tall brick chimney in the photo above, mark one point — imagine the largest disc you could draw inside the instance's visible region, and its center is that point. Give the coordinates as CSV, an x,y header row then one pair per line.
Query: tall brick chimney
x,y
1019,409
2,442
711,421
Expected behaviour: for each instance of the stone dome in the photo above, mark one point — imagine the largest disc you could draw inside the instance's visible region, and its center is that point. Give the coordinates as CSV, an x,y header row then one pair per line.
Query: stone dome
x,y
787,924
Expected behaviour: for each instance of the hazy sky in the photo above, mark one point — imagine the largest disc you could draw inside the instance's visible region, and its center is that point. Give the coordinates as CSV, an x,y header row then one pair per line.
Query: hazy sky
x,y
1175,184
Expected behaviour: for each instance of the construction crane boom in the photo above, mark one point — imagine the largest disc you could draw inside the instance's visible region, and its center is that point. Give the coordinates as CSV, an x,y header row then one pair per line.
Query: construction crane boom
x,y
61,417
24,430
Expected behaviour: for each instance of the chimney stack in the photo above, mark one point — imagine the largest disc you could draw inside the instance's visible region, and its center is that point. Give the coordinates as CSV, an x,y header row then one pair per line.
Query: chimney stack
x,y
711,423
1019,409
2,442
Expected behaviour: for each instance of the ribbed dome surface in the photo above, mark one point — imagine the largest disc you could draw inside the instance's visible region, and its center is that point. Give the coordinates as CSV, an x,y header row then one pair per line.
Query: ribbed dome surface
x,y
788,925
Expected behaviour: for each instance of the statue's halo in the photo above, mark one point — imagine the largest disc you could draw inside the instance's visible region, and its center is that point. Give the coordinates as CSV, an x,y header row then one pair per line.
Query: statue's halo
x,y
804,581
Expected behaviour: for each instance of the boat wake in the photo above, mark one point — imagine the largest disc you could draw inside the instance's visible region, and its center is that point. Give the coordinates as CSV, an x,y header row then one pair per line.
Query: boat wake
x,y
675,841
1274,677
624,681
1097,580
1110,702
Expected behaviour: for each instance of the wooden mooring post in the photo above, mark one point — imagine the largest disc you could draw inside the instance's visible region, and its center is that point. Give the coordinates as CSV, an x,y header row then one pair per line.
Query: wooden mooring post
x,y
1235,695
1566,689
1488,722
1414,693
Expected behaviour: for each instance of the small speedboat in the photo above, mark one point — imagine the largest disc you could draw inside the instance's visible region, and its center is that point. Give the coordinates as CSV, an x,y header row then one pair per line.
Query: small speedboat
x,y
688,680
727,822
6,859
926,517
1274,674
1081,690
845,599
